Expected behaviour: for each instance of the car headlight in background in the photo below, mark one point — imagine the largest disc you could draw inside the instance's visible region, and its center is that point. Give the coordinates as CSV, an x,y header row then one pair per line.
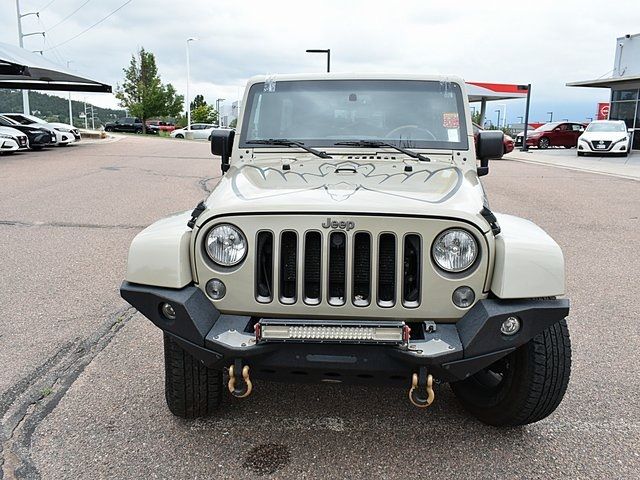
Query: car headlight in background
x,y
226,245
454,250
623,139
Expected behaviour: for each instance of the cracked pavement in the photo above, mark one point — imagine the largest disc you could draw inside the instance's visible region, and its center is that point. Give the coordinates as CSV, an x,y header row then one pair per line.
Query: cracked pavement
x,y
81,388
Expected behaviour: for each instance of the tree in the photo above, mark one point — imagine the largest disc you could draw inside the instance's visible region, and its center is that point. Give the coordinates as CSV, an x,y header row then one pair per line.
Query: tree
x,y
198,101
204,114
142,92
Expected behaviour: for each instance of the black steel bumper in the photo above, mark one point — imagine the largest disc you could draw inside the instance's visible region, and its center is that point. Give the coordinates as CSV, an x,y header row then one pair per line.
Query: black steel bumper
x,y
453,352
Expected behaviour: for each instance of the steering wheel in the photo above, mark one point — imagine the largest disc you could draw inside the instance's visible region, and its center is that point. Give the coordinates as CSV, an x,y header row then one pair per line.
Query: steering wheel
x,y
415,128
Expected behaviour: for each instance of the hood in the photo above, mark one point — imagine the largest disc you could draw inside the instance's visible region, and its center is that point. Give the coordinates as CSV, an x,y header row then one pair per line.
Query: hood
x,y
11,131
343,186
609,136
61,125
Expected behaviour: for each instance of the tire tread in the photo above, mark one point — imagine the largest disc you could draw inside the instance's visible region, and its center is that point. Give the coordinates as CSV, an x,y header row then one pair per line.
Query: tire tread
x,y
192,390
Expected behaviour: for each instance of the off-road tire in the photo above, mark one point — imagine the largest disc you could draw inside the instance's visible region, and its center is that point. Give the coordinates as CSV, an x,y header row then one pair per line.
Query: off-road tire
x,y
532,386
191,389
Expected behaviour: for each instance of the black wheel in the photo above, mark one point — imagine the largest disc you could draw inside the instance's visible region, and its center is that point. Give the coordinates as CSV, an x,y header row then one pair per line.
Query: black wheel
x,y
108,129
179,135
191,389
523,387
544,143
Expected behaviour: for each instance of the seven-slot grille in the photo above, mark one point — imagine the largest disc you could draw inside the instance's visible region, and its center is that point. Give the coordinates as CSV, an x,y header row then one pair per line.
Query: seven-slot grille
x,y
337,268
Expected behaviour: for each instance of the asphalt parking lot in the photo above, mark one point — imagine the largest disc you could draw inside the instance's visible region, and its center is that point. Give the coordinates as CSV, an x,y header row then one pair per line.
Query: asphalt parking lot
x,y
81,388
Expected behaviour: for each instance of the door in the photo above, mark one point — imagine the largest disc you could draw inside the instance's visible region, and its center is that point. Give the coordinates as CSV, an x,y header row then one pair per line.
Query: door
x,y
198,130
561,135
577,129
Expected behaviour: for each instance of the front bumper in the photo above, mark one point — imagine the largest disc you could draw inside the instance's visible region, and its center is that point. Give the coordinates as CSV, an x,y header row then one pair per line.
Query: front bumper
x,y
452,352
611,147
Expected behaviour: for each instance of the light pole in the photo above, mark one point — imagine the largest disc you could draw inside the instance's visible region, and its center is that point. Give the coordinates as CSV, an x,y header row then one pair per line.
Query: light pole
x,y
498,122
218,110
550,116
25,93
504,114
190,39
70,109
327,51
590,119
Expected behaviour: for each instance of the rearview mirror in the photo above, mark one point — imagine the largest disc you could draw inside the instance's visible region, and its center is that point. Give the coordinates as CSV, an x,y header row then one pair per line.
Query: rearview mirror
x,y
489,145
222,144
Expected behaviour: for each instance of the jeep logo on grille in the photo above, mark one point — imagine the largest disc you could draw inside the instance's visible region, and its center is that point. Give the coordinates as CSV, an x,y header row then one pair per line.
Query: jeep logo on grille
x,y
339,224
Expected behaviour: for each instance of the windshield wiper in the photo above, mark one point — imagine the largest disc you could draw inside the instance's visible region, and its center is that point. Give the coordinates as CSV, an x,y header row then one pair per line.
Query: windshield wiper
x,y
290,143
377,143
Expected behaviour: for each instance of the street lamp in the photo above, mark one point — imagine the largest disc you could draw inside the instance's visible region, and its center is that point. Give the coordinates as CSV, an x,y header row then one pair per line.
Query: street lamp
x,y
498,122
218,110
70,109
327,51
521,119
550,116
189,40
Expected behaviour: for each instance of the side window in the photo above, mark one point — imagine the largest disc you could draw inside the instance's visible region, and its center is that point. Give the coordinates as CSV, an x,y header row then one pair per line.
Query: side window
x,y
562,127
577,127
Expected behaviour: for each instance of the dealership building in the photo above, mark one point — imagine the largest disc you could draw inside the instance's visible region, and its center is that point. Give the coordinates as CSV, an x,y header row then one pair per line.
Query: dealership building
x,y
624,84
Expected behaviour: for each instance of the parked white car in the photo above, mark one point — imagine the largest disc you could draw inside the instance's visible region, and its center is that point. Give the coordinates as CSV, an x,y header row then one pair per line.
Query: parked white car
x,y
198,131
605,137
65,134
12,140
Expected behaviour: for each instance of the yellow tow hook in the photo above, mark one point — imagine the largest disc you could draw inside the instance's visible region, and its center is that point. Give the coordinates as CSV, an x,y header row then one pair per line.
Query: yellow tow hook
x,y
417,383
240,392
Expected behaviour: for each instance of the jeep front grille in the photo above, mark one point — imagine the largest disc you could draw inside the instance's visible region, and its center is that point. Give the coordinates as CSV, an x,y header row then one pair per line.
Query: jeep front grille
x,y
337,268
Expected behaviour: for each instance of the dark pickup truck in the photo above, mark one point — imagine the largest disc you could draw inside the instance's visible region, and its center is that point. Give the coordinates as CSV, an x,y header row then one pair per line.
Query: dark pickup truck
x,y
129,125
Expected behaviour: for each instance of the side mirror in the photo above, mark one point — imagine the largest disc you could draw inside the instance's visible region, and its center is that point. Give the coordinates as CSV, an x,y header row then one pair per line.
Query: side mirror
x,y
222,144
489,145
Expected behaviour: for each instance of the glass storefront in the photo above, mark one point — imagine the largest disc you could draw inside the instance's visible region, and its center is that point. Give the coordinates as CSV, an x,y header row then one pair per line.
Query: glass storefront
x,y
625,105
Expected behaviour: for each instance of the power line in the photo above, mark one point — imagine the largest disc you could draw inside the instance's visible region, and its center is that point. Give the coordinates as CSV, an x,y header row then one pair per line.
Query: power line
x,y
94,25
70,15
46,6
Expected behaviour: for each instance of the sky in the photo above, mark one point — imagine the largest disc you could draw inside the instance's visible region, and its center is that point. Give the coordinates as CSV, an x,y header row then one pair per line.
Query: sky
x,y
547,43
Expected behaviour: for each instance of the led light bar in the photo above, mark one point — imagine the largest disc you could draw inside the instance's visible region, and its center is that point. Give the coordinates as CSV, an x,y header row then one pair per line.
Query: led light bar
x,y
323,331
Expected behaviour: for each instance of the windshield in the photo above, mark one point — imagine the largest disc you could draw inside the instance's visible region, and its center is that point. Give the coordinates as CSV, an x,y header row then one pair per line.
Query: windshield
x,y
546,127
607,127
7,122
412,114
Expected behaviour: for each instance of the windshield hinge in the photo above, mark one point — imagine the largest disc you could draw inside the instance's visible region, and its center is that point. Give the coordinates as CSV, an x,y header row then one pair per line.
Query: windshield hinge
x,y
196,213
491,219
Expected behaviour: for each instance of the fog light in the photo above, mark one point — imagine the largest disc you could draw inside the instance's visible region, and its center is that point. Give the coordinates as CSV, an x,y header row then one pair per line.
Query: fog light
x,y
216,289
168,311
510,326
463,297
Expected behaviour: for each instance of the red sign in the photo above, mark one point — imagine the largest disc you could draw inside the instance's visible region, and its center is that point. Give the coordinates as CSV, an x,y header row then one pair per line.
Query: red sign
x,y
603,111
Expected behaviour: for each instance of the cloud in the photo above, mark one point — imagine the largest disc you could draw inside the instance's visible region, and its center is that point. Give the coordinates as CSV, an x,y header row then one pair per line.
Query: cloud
x,y
546,44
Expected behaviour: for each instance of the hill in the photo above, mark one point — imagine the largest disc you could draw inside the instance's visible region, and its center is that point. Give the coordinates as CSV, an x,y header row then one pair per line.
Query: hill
x,y
55,109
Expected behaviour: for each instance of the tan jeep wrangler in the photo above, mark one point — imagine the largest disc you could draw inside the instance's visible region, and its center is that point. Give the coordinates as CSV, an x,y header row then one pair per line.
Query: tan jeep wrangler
x,y
350,240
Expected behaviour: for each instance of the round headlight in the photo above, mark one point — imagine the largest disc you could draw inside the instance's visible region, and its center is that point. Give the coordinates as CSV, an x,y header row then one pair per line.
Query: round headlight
x,y
226,245
454,250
